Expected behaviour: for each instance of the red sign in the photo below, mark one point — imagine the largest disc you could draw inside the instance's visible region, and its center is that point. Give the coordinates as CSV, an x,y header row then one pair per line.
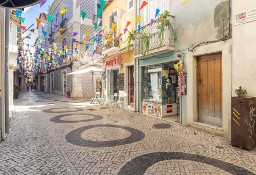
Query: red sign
x,y
169,109
113,61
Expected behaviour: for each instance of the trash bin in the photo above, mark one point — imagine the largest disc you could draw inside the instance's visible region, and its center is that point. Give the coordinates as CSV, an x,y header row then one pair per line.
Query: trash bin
x,y
243,122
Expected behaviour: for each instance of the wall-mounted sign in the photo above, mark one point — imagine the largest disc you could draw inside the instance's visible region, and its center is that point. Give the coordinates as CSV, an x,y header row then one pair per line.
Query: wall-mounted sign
x,y
113,61
245,17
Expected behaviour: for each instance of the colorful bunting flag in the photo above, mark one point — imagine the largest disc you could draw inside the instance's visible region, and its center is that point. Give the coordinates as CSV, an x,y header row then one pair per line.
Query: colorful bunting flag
x,y
120,34
113,26
55,26
60,37
38,21
75,33
185,2
18,13
139,27
64,10
144,3
87,47
45,33
22,20
42,2
125,30
84,42
95,26
23,28
73,40
87,31
157,12
50,17
138,19
152,21
128,23
83,15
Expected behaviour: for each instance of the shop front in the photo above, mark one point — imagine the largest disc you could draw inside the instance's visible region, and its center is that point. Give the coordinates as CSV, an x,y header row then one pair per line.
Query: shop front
x,y
160,90
120,79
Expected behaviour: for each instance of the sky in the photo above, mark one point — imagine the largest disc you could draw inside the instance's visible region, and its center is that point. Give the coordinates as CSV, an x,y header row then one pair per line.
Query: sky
x,y
30,15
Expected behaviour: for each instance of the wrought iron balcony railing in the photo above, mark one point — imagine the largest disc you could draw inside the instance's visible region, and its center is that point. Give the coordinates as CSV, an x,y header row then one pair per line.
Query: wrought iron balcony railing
x,y
156,43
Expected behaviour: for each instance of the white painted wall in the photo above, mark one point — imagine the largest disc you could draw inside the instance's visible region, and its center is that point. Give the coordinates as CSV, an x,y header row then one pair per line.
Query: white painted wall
x,y
244,50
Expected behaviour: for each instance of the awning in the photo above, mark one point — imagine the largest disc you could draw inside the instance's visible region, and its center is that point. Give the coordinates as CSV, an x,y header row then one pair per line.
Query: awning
x,y
18,3
86,70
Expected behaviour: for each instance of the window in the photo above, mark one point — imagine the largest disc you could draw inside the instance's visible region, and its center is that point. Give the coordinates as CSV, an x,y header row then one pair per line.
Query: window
x,y
130,6
113,19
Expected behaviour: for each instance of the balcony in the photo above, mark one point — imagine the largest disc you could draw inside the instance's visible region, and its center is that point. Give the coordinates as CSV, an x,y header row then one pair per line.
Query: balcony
x,y
110,43
155,44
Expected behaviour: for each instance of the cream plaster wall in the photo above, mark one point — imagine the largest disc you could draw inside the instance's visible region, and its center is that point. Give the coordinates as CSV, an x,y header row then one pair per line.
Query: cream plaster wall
x,y
192,113
244,50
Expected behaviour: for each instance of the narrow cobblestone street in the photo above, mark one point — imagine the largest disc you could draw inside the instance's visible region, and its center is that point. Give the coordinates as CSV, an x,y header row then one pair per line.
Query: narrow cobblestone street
x,y
54,135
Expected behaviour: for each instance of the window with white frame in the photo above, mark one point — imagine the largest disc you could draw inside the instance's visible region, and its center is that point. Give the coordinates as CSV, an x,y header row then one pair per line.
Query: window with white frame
x,y
130,5
113,20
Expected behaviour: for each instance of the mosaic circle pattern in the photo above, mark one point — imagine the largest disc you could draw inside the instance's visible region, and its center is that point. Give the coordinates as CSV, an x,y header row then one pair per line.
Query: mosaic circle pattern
x,y
57,119
139,165
55,110
75,138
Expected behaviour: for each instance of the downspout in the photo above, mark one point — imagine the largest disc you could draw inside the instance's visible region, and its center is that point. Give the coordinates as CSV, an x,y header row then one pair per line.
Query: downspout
x,y
2,32
136,64
7,22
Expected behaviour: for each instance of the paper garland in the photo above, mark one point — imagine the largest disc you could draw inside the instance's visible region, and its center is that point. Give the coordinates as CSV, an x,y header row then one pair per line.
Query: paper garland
x,y
144,3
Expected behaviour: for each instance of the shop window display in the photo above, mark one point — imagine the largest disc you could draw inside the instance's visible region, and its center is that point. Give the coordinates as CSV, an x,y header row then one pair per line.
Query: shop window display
x,y
160,90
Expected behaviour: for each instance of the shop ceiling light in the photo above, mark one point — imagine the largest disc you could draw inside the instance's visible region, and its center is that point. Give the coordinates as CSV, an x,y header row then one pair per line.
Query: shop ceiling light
x,y
18,3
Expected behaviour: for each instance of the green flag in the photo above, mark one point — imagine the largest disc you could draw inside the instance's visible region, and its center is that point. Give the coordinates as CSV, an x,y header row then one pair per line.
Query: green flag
x,y
50,17
83,15
95,26
22,20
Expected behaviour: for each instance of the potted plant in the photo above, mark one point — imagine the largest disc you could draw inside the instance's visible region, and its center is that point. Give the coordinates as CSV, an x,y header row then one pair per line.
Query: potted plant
x,y
163,22
241,92
68,93
145,39
16,92
243,120
130,38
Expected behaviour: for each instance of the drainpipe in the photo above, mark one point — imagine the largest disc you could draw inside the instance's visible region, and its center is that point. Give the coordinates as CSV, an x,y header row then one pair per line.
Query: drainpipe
x,y
135,65
2,32
7,22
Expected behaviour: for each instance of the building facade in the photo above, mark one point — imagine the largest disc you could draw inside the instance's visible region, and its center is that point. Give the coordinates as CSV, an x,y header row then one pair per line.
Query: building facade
x,y
69,48
184,70
118,51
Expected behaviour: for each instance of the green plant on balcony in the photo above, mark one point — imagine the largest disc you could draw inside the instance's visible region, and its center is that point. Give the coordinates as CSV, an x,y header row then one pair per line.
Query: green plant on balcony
x,y
163,22
130,38
145,39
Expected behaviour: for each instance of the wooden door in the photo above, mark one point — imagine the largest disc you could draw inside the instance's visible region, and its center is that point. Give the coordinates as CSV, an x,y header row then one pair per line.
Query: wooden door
x,y
131,85
209,88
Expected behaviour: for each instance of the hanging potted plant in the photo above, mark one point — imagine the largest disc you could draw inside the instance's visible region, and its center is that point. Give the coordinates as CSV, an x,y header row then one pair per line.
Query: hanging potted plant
x,y
145,43
163,23
130,38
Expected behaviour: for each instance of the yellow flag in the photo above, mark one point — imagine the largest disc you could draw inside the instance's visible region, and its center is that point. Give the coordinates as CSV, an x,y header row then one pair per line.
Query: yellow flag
x,y
61,29
38,21
138,19
84,42
64,10
77,44
113,26
185,2
55,47
87,31
49,57
65,47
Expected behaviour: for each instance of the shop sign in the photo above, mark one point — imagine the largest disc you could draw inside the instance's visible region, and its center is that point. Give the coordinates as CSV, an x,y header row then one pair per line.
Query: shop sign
x,y
113,61
245,17
169,109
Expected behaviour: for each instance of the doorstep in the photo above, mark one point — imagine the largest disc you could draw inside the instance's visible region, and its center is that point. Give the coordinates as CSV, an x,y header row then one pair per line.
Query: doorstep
x,y
216,130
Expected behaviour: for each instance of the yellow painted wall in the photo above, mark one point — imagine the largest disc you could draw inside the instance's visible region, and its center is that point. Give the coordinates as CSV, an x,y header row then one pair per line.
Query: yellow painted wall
x,y
126,58
121,23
